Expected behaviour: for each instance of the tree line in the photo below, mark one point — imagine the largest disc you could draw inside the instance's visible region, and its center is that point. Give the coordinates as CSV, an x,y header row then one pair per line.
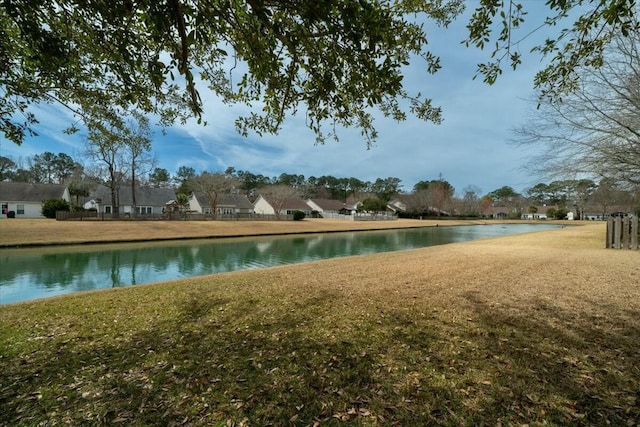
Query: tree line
x,y
427,197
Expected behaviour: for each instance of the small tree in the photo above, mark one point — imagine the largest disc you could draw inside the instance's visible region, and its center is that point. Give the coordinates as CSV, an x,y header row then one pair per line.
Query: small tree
x,y
372,204
51,206
298,215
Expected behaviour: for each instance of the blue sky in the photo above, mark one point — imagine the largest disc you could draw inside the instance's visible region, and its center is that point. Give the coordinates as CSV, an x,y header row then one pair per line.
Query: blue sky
x,y
470,147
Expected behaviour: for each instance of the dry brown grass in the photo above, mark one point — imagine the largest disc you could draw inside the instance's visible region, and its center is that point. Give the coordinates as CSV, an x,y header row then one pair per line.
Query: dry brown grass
x,y
536,329
40,231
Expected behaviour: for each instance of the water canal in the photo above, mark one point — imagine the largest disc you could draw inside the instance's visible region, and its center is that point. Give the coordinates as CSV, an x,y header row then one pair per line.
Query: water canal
x,y
32,273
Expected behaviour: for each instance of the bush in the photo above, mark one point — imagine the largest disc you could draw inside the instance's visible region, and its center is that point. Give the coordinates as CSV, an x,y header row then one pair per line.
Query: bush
x,y
51,206
298,215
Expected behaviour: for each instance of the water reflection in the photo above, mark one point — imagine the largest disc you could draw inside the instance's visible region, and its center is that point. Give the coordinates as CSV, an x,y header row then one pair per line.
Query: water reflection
x,y
40,272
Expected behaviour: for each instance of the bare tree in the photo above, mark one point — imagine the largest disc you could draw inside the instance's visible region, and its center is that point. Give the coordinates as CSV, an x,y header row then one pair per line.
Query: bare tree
x,y
137,143
595,131
471,200
440,192
212,185
278,195
418,202
105,146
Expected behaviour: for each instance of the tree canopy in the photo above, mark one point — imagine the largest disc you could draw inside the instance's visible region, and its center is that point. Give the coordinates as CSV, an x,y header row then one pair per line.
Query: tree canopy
x,y
595,131
334,61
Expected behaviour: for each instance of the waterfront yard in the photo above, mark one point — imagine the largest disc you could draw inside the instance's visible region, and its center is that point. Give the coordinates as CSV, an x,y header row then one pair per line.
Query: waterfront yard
x,y
536,329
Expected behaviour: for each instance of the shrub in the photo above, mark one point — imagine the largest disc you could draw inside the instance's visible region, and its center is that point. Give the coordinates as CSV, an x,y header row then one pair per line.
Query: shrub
x,y
298,215
51,206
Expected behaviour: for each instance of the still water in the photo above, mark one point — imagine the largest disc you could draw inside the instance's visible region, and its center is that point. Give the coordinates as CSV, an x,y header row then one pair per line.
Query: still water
x,y
32,273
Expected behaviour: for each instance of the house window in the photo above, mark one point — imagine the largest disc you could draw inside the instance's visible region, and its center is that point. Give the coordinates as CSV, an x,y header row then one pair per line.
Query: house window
x,y
206,211
144,209
5,208
107,209
225,211
20,210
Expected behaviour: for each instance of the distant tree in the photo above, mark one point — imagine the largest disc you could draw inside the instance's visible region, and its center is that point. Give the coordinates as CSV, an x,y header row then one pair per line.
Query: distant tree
x,y
486,202
372,205
532,209
539,193
79,189
213,185
424,185
106,145
503,196
183,201
182,177
471,200
609,193
51,168
386,188
22,175
417,203
250,182
139,160
7,168
440,192
160,178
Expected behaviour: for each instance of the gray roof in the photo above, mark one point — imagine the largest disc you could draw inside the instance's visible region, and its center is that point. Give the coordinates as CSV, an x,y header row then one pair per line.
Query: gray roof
x,y
239,201
329,204
26,192
293,204
145,196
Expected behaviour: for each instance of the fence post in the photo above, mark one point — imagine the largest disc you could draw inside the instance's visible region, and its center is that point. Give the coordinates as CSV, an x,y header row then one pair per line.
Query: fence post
x,y
626,232
617,229
634,232
609,236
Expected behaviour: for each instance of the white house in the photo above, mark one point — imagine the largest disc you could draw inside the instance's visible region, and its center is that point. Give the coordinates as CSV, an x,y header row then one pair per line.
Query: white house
x,y
328,207
541,213
262,206
24,200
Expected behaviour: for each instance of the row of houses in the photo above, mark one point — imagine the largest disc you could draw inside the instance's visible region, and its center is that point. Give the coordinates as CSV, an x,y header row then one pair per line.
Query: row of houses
x,y
24,200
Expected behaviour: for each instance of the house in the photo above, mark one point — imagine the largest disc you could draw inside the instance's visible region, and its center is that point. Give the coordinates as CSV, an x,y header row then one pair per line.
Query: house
x,y
328,208
541,213
501,212
262,206
149,200
602,213
24,200
227,204
397,206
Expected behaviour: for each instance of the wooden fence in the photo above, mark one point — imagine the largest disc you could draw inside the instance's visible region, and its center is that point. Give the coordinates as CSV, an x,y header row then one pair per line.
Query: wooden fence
x,y
622,233
169,216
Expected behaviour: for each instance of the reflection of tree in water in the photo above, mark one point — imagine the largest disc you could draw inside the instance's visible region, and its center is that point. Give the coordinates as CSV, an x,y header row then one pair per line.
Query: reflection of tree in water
x,y
60,269
115,269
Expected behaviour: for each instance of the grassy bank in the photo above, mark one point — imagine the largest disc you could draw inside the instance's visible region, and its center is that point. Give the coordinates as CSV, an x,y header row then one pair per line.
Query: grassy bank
x,y
27,232
537,329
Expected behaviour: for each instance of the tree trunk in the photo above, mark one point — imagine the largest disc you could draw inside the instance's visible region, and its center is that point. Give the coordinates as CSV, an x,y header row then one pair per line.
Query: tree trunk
x,y
114,196
133,189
